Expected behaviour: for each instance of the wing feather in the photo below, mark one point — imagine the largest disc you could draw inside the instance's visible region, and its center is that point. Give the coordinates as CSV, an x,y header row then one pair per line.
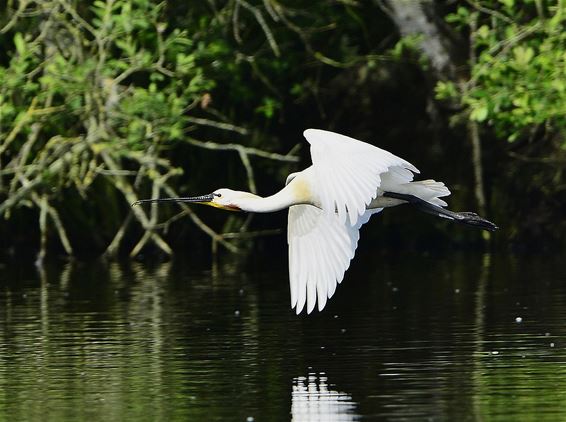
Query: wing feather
x,y
301,278
294,274
320,250
348,172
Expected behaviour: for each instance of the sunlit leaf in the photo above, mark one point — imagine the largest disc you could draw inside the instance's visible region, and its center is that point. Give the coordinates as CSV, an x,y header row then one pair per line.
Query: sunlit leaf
x,y
20,43
479,114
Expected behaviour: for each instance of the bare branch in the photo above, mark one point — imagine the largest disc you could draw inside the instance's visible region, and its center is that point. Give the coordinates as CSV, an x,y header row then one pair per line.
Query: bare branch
x,y
195,219
259,17
249,170
127,190
218,125
490,12
248,150
42,229
236,23
21,7
114,246
62,233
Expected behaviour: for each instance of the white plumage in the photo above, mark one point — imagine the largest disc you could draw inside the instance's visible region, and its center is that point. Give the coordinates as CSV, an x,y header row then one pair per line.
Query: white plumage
x,y
348,172
347,175
320,250
328,202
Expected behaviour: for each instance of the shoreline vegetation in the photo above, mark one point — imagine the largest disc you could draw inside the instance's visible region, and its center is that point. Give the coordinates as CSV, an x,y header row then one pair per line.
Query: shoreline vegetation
x,y
106,102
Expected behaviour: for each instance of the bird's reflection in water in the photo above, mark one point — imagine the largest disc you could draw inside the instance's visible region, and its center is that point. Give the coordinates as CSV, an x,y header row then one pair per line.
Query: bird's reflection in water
x,y
312,399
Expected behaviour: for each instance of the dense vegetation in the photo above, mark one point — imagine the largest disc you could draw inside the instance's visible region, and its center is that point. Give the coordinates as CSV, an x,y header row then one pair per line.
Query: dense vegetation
x,y
105,102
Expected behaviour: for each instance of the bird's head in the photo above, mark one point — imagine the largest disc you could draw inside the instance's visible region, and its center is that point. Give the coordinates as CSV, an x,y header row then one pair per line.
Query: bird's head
x,y
226,199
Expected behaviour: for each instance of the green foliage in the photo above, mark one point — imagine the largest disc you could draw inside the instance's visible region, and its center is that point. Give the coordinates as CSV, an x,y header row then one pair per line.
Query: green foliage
x,y
518,82
268,107
408,46
95,95
92,94
98,98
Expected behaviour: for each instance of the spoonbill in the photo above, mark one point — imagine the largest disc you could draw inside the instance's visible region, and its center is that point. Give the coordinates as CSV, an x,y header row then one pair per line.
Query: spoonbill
x,y
328,202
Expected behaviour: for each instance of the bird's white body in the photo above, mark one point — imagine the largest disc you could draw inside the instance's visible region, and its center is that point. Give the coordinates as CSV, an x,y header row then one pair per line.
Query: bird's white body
x,y
328,203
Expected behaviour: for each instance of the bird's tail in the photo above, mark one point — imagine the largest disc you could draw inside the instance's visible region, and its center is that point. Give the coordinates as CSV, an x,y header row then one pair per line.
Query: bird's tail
x,y
428,190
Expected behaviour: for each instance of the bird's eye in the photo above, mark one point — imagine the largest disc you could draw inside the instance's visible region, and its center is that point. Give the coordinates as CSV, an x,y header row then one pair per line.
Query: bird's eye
x,y
219,195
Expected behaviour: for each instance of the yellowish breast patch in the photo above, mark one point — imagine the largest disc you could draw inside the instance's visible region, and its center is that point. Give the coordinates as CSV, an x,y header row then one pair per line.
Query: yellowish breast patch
x,y
301,189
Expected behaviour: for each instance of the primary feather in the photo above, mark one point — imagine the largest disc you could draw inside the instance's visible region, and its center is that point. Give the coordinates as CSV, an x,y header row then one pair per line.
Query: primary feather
x,y
345,177
320,250
348,172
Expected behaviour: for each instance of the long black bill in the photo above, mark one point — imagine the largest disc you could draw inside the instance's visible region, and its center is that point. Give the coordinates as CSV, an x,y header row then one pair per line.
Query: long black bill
x,y
202,198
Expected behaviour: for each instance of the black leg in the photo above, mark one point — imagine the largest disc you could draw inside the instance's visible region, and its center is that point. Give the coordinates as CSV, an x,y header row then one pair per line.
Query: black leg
x,y
468,218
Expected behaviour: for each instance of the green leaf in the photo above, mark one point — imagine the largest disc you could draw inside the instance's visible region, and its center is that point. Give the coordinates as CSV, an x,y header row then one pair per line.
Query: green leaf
x,y
523,55
479,114
445,90
508,3
20,43
483,31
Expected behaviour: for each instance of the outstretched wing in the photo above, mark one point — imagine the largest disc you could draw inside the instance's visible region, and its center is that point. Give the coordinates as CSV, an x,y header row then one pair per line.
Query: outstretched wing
x,y
348,172
320,250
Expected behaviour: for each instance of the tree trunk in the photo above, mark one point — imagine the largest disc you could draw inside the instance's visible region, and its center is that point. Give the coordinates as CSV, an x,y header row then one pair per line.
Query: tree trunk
x,y
419,17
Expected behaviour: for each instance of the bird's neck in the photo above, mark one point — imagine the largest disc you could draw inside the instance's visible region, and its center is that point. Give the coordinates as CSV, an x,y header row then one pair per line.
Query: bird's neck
x,y
289,195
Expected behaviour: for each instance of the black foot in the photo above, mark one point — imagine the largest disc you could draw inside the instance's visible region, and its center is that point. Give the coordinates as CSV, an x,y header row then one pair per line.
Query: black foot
x,y
472,219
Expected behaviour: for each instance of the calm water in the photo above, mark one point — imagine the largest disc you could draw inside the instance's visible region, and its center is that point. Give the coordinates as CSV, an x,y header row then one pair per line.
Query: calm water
x,y
465,337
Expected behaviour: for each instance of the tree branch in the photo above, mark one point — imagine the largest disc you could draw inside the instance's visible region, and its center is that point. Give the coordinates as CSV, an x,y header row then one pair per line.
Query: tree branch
x,y
248,150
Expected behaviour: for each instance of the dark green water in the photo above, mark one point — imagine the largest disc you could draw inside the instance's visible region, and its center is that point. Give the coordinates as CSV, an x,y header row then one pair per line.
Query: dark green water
x,y
405,338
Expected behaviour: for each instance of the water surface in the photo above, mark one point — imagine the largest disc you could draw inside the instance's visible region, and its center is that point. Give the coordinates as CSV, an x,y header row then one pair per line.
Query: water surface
x,y
451,337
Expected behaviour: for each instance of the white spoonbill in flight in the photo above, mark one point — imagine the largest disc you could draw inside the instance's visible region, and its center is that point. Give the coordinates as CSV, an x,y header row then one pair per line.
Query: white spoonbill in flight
x,y
328,202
